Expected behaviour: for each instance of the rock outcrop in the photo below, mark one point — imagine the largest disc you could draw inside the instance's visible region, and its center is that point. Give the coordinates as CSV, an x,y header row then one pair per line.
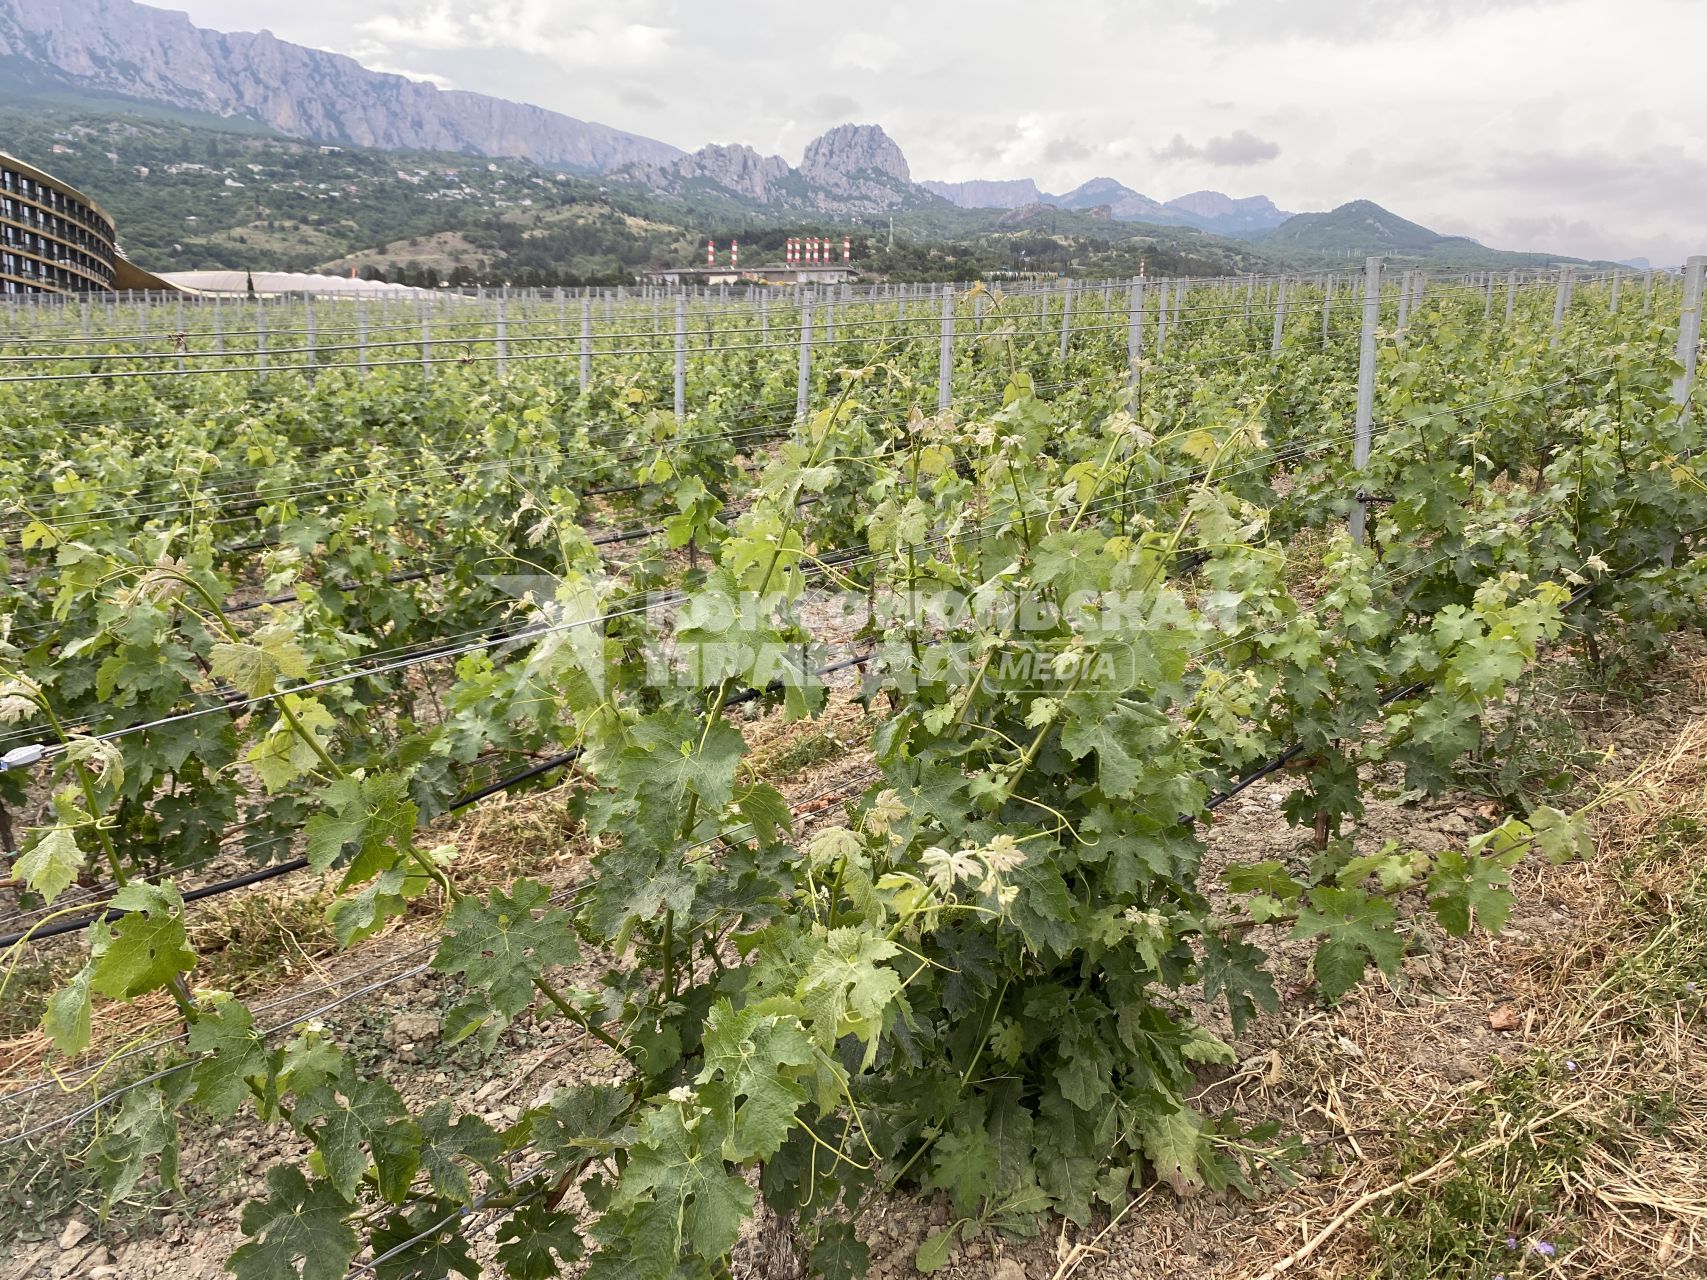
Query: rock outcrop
x,y
853,168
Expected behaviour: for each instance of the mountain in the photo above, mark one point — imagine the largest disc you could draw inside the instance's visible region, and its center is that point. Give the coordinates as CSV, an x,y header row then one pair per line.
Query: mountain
x,y
854,168
1010,194
1124,203
1212,211
1362,226
1205,210
858,163
118,48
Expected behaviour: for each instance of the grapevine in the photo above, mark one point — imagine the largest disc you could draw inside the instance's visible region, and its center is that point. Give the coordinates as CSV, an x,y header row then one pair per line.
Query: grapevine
x,y
1093,598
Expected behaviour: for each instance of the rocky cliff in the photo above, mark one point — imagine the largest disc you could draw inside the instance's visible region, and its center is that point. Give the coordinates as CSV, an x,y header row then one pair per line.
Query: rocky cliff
x,y
117,47
852,168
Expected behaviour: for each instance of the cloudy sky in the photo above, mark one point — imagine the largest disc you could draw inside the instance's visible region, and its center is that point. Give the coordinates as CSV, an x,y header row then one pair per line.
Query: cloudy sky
x,y
1569,125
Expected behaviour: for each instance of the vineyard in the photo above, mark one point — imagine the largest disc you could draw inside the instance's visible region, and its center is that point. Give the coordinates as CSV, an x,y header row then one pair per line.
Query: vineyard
x,y
298,590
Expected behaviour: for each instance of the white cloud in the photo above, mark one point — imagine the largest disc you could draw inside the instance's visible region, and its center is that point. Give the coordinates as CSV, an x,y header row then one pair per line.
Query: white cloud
x,y
534,27
1241,147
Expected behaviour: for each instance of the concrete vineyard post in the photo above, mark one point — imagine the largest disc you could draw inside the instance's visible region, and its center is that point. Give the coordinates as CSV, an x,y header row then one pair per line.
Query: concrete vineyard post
x,y
1134,326
1279,320
1617,279
1561,299
1365,386
1510,295
1327,308
945,355
260,337
681,378
586,344
1404,309
1066,316
803,383
1689,331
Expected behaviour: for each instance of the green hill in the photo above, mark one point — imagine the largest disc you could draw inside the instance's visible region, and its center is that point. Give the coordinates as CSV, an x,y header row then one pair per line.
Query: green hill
x,y
1362,228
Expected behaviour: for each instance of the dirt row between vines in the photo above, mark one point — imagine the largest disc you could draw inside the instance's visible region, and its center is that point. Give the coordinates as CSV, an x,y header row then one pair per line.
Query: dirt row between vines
x,y
1421,1050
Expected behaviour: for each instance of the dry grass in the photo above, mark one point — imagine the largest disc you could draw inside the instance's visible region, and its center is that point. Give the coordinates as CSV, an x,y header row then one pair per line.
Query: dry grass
x,y
1582,1154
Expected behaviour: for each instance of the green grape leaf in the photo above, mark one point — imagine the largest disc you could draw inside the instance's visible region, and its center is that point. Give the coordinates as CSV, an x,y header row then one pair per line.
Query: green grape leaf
x,y
1354,929
1465,887
764,807
1007,1040
232,1052
363,914
1093,726
446,1144
675,756
500,946
372,1118
145,1128
371,818
677,1195
51,862
310,1061
256,665
424,1244
1234,968
757,1055
580,1122
301,1222
67,1018
281,757
847,991
1270,878
1561,836
839,1254
147,948
528,1238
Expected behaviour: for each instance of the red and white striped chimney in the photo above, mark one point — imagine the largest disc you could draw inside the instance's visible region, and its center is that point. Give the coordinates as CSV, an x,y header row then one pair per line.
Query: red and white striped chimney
x,y
734,253
847,248
711,253
788,252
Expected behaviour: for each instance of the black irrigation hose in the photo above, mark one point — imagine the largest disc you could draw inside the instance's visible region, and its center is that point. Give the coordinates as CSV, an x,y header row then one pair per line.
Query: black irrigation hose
x,y
461,802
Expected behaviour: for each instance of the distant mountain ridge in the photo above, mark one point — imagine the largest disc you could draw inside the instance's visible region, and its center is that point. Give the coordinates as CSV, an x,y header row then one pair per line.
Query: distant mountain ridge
x,y
1205,210
151,55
